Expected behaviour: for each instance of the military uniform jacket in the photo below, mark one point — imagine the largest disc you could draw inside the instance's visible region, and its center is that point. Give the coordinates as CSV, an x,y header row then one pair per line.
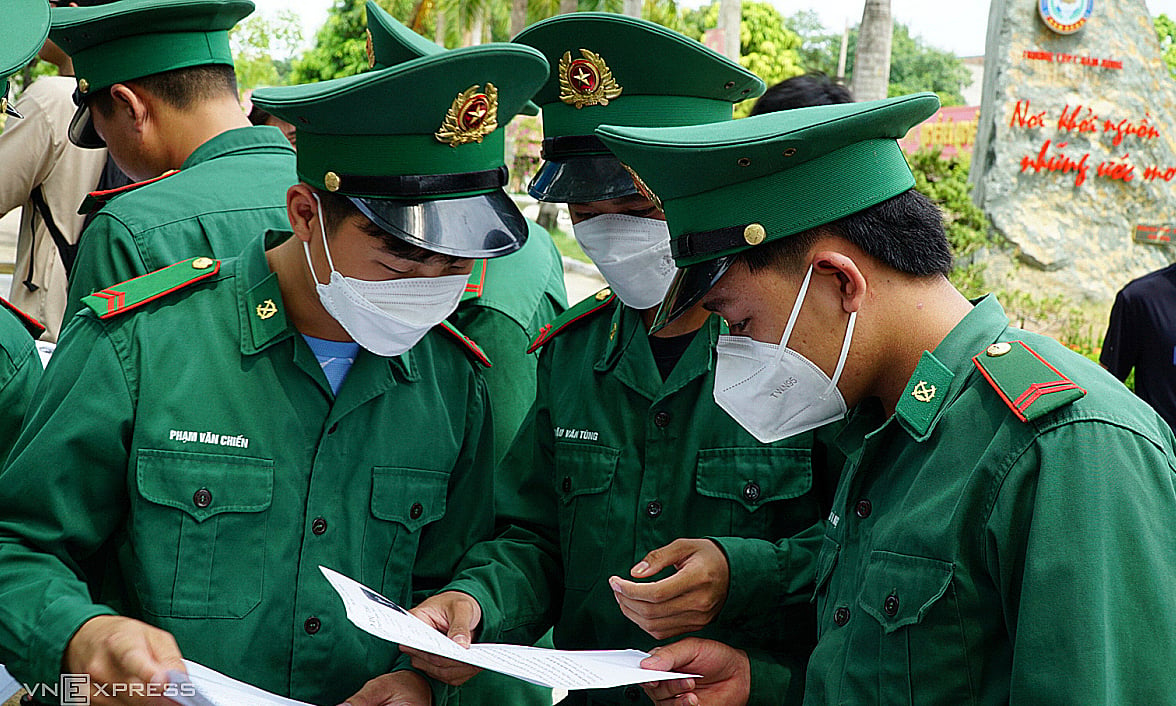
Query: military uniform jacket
x,y
228,190
20,371
193,447
613,462
975,558
506,302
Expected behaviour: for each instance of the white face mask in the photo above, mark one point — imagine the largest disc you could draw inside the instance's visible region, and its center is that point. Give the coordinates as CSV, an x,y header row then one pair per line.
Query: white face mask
x,y
632,253
773,391
387,317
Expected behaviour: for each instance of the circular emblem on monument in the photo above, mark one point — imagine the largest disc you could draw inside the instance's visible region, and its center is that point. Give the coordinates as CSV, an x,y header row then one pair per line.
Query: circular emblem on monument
x,y
1065,16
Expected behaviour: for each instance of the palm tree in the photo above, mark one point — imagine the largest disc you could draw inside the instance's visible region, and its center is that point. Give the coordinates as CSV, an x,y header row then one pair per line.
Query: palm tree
x,y
871,61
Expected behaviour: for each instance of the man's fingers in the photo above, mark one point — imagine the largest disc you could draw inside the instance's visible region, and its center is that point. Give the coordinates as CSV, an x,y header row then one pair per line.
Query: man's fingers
x,y
462,621
655,592
663,557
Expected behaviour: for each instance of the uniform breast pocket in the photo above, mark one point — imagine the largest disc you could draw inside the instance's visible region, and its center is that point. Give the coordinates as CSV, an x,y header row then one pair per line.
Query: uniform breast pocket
x,y
755,482
584,478
404,500
198,526
913,602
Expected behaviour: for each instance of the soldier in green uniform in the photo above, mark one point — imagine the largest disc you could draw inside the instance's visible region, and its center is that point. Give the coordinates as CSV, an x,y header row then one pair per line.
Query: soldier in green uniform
x,y
24,26
207,435
156,86
625,460
1003,531
508,298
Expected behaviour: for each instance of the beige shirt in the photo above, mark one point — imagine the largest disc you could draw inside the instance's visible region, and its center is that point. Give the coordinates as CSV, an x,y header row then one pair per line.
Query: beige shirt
x,y
37,150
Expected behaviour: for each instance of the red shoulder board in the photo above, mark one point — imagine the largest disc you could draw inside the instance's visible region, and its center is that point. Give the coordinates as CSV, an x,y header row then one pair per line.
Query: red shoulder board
x,y
97,199
33,326
472,348
597,302
136,292
1029,385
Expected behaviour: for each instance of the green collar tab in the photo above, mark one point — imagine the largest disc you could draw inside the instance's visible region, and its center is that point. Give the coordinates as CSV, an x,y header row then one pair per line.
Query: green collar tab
x,y
924,395
31,325
135,38
24,24
1025,381
573,316
618,70
437,114
129,295
472,349
772,175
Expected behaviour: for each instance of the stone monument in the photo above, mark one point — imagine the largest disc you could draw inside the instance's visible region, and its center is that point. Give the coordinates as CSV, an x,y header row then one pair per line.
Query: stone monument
x,y
1075,158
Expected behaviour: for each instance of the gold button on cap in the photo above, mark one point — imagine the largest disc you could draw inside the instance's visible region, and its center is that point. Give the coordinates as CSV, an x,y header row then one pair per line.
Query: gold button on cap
x,y
332,181
754,234
603,294
996,350
83,85
203,263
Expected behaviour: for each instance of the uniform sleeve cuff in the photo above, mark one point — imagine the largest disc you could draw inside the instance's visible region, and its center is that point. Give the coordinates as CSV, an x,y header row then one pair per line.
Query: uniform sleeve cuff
x,y
55,628
754,587
775,679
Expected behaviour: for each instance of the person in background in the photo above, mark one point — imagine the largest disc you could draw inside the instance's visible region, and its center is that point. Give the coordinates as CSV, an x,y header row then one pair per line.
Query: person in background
x,y
47,177
799,91
1003,530
1141,337
257,116
633,510
156,86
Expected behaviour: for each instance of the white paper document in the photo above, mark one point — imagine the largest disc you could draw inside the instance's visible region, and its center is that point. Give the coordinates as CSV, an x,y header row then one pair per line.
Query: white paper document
x,y
207,687
558,669
8,685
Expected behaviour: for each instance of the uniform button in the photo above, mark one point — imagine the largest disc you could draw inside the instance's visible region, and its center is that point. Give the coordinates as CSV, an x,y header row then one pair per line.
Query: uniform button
x,y
333,428
864,508
319,525
890,605
841,616
312,625
751,491
202,498
567,484
653,509
632,693
416,511
662,419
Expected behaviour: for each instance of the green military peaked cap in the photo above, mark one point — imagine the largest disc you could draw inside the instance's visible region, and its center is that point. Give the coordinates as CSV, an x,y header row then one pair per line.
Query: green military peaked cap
x,y
618,70
131,39
417,147
390,43
24,24
728,188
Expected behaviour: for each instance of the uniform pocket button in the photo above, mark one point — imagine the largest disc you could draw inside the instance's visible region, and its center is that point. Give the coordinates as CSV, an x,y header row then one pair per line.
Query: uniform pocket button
x,y
890,605
202,498
312,625
567,484
416,511
751,492
864,508
841,616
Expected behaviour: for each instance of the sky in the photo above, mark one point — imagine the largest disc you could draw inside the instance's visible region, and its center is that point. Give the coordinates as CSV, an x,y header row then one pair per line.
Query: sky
x,y
958,26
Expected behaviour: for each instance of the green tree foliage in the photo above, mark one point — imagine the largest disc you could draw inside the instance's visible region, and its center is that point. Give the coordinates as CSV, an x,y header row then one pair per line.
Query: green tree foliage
x,y
1166,33
340,44
262,48
769,48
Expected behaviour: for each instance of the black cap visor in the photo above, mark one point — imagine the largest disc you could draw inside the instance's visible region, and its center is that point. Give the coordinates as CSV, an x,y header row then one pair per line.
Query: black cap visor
x,y
690,285
582,180
81,129
483,225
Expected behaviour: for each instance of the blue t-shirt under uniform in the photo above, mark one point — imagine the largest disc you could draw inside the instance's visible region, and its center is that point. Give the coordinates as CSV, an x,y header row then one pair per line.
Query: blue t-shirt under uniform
x,y
335,357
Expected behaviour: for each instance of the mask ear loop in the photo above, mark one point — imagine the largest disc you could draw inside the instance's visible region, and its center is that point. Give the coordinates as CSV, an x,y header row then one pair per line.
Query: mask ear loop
x,y
844,354
792,317
326,248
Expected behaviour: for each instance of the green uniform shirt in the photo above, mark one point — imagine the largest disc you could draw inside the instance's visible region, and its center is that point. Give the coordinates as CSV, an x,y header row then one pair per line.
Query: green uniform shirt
x,y
194,448
20,371
507,300
227,191
973,558
613,462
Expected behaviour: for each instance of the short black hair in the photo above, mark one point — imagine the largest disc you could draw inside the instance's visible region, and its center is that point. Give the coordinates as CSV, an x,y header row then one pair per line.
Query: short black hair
x,y
258,115
801,92
338,209
904,232
179,88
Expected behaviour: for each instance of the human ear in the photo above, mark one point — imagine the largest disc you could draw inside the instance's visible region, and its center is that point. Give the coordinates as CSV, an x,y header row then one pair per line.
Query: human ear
x,y
851,281
303,212
132,105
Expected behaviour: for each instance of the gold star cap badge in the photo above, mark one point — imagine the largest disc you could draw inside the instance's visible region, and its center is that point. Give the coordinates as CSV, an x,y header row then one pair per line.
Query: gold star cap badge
x,y
471,117
586,81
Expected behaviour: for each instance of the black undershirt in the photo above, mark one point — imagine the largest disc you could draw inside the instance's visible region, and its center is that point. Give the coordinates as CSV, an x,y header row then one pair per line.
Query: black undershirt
x,y
668,351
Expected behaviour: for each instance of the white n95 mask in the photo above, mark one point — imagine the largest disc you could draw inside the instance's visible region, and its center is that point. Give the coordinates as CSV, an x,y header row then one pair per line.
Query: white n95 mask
x,y
773,391
386,317
633,254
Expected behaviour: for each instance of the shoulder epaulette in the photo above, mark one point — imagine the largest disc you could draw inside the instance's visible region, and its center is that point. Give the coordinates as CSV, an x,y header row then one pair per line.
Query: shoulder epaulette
x,y
1029,385
97,199
577,313
476,284
33,326
133,293
472,348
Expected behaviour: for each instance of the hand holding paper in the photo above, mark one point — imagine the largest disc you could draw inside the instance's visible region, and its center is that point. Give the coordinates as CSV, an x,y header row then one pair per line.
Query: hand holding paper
x,y
457,615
